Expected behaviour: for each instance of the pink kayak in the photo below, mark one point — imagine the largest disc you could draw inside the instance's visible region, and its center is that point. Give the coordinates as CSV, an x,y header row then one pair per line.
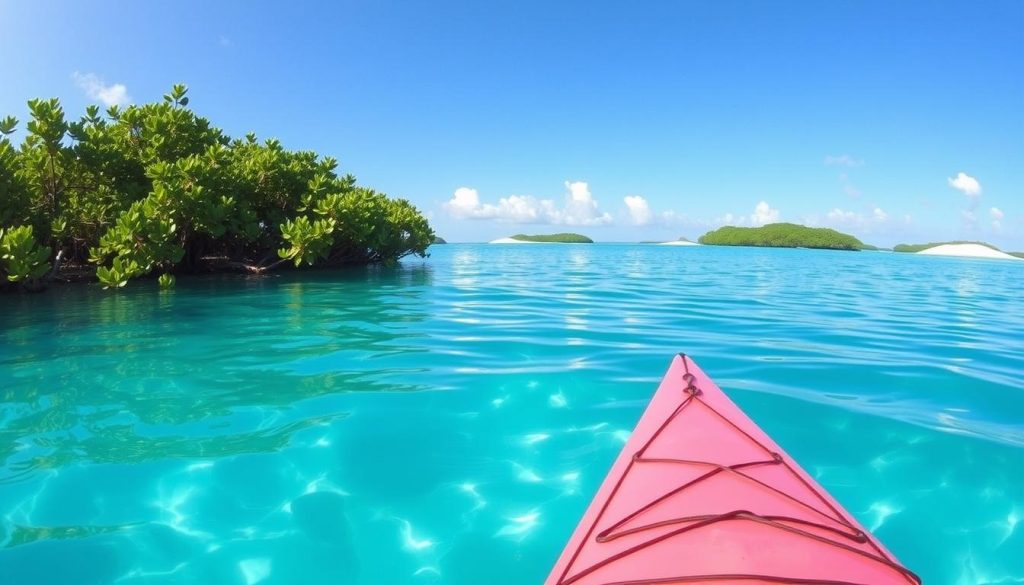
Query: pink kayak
x,y
700,494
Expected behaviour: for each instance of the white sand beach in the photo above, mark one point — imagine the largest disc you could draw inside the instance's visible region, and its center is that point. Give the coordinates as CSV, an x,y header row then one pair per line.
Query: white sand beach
x,y
967,251
678,243
512,241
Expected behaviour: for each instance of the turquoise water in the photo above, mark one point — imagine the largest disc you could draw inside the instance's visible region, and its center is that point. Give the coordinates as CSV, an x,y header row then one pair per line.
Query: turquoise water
x,y
448,421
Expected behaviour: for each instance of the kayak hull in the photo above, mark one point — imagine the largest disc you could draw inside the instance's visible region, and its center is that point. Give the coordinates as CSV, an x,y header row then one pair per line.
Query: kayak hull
x,y
701,494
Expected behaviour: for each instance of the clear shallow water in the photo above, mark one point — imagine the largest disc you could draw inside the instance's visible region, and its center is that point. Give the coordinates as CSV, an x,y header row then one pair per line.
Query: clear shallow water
x,y
447,422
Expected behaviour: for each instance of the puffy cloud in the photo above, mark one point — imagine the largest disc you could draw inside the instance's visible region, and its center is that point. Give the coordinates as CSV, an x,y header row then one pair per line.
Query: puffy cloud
x,y
879,214
96,89
580,207
639,209
763,214
465,204
842,160
966,184
997,216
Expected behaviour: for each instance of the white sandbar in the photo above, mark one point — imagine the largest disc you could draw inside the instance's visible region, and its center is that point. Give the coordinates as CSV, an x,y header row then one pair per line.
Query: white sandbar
x,y
967,251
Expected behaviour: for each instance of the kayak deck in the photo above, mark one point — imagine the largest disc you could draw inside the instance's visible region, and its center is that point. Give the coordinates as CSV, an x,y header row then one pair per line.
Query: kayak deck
x,y
701,494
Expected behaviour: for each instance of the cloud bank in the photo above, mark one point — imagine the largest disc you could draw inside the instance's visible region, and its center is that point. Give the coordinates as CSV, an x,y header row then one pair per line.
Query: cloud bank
x,y
579,207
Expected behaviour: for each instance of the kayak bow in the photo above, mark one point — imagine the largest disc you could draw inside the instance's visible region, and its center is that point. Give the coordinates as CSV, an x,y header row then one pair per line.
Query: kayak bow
x,y
701,494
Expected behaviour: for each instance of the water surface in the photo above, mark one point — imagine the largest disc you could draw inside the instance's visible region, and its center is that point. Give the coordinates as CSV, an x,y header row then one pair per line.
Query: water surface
x,y
447,422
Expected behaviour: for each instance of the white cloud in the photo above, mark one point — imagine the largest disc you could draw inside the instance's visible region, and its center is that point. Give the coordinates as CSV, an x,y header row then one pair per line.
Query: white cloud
x,y
997,216
844,217
730,219
639,209
763,214
852,220
580,207
465,204
966,184
96,89
843,160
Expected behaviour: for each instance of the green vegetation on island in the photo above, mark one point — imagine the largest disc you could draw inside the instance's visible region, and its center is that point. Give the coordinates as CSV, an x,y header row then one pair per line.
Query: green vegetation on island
x,y
566,238
157,190
781,235
918,247
439,240
1016,254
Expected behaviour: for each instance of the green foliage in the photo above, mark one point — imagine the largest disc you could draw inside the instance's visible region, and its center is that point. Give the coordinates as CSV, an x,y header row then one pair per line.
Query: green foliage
x,y
155,187
918,247
21,257
166,280
782,235
1016,254
118,273
565,238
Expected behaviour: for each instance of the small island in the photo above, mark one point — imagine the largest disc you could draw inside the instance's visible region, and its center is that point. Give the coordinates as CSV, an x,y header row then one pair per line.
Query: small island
x,y
913,248
964,249
439,240
680,242
782,235
563,238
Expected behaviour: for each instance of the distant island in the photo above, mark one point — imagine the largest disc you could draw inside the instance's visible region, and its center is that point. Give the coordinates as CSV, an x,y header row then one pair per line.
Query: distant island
x,y
439,240
783,235
680,242
918,247
564,238
959,248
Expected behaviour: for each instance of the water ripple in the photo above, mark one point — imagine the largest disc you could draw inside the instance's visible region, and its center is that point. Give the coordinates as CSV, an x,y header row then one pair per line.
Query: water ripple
x,y
447,421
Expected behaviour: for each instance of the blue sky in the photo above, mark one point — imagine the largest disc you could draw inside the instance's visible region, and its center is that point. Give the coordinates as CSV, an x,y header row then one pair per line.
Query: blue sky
x,y
625,121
